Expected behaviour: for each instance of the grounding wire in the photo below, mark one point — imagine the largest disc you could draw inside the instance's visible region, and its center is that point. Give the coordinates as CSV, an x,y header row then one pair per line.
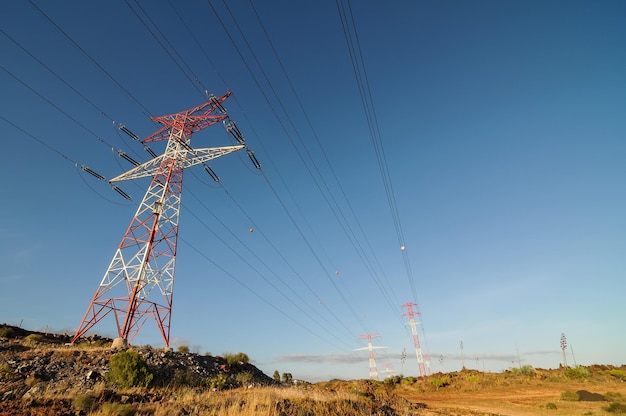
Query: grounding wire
x,y
60,78
267,180
65,157
100,139
56,75
201,91
273,246
363,84
369,109
100,67
364,257
244,260
332,207
199,45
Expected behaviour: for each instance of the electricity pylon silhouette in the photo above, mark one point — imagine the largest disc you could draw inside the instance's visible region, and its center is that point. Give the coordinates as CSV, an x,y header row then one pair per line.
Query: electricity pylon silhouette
x,y
370,348
139,281
416,341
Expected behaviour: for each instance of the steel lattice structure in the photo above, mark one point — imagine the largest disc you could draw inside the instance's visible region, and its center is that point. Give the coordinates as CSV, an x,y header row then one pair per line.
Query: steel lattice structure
x,y
139,281
416,341
371,359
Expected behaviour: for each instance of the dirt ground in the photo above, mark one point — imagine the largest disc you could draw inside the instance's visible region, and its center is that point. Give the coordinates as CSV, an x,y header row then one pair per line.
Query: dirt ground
x,y
542,398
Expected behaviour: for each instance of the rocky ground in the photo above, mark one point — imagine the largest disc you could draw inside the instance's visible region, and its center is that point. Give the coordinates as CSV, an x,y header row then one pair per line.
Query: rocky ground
x,y
36,368
43,374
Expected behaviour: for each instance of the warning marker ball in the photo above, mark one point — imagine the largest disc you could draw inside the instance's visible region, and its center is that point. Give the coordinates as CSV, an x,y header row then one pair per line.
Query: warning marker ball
x,y
402,248
251,230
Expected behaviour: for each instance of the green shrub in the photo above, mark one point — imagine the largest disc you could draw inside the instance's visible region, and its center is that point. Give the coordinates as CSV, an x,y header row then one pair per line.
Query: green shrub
x,y
33,339
473,378
5,372
244,379
577,372
618,374
551,406
184,349
393,380
83,402
525,370
219,382
438,382
408,380
235,359
129,369
614,396
618,408
570,396
186,378
117,409
6,332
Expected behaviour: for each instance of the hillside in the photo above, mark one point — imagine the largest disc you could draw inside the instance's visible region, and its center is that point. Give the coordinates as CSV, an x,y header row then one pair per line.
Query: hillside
x,y
41,374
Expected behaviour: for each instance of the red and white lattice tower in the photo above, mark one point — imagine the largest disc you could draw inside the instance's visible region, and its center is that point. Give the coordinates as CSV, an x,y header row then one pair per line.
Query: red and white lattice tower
x,y
139,281
371,348
416,341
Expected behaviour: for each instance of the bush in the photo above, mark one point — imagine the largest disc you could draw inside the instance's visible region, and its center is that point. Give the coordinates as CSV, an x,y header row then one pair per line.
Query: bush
x,y
184,349
618,374
83,402
577,372
551,406
570,396
244,379
117,409
6,332
619,408
614,396
5,372
186,378
235,359
219,382
129,369
408,380
438,382
33,339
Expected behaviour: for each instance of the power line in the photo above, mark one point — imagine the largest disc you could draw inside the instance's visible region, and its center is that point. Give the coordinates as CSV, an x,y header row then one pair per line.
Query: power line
x,y
93,61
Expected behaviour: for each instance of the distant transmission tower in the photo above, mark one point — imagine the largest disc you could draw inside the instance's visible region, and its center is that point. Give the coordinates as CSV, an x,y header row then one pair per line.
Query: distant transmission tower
x,y
416,341
564,347
139,281
371,348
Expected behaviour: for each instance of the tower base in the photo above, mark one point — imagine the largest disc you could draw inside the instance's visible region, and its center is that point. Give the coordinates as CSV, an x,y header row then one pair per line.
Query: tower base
x,y
119,344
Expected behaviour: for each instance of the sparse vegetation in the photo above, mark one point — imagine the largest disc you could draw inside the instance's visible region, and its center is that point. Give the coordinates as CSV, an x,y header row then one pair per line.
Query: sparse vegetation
x,y
6,332
618,374
614,396
526,370
50,377
236,359
184,349
116,409
617,408
570,396
83,402
129,369
577,372
33,339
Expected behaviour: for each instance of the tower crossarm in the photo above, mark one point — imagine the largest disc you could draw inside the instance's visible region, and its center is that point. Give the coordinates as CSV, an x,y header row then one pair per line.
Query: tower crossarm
x,y
186,157
191,120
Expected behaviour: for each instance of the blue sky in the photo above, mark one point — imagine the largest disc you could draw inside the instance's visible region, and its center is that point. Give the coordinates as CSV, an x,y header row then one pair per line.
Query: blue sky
x,y
502,127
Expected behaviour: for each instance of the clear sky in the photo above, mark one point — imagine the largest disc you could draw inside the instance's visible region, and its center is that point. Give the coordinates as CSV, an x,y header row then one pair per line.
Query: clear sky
x,y
500,123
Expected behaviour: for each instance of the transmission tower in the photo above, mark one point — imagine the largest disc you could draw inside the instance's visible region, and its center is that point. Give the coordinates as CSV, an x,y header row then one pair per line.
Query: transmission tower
x,y
139,281
371,348
416,341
